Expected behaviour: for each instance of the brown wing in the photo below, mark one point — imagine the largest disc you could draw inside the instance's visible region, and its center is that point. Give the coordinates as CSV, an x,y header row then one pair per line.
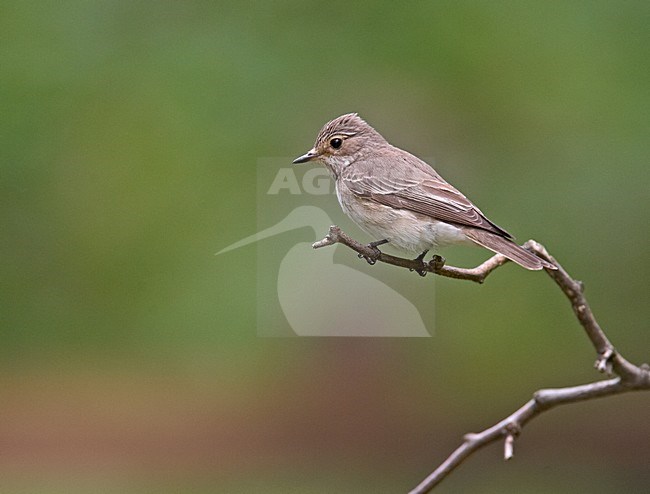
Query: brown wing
x,y
424,193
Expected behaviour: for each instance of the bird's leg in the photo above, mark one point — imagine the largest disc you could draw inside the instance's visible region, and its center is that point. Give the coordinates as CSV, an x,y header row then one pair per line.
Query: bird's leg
x,y
423,270
376,252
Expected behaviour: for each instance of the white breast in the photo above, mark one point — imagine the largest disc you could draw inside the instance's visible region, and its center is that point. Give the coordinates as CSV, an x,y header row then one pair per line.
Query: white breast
x,y
408,231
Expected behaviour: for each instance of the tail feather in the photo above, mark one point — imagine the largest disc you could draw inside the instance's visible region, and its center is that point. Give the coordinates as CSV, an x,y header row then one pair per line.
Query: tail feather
x,y
508,248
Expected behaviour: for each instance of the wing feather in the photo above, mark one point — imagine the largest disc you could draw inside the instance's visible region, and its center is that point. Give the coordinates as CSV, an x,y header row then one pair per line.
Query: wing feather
x,y
421,192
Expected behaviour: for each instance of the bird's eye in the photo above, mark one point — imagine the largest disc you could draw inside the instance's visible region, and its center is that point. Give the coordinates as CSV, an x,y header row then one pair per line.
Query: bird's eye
x,y
336,142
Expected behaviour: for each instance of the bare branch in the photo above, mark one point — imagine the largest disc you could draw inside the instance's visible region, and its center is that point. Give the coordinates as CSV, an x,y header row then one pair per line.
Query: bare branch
x,y
477,274
630,377
543,400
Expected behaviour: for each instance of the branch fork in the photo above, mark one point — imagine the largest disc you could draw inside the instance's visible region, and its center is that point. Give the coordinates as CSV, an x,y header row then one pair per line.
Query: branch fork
x,y
629,377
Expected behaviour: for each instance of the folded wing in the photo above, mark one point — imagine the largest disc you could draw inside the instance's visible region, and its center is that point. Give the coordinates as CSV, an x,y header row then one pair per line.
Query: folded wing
x,y
422,192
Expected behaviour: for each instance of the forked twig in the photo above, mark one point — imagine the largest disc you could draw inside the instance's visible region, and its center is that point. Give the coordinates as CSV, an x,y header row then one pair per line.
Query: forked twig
x,y
630,377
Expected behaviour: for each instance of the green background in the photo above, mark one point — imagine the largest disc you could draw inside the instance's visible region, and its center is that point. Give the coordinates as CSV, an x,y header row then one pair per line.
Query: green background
x,y
129,142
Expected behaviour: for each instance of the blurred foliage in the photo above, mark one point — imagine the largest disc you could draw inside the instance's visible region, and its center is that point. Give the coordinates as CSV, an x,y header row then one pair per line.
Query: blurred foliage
x,y
129,138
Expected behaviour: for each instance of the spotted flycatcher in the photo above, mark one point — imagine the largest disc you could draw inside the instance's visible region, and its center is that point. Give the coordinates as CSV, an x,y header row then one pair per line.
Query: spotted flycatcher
x,y
398,198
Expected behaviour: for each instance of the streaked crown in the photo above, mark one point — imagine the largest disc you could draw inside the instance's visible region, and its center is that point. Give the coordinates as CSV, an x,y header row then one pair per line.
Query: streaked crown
x,y
342,141
348,125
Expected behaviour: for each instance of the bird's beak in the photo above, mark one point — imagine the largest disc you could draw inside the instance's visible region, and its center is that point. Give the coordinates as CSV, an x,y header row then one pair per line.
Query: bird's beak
x,y
311,154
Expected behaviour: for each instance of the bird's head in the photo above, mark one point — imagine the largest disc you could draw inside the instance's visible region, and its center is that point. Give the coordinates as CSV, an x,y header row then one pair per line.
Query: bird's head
x,y
342,141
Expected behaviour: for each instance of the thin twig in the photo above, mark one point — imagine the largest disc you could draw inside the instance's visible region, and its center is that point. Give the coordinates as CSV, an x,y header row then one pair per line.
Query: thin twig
x,y
542,400
477,274
630,377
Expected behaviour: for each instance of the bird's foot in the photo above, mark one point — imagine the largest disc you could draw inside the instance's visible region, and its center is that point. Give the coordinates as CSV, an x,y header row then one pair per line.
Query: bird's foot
x,y
377,243
422,270
437,262
376,253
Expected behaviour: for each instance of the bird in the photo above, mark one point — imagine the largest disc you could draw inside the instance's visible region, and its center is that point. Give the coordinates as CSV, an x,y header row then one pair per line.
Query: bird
x,y
304,282
399,199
